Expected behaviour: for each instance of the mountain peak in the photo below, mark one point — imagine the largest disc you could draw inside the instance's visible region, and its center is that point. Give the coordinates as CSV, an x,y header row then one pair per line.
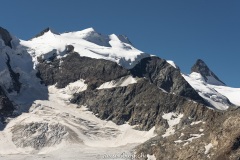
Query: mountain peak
x,y
201,67
6,37
87,30
48,29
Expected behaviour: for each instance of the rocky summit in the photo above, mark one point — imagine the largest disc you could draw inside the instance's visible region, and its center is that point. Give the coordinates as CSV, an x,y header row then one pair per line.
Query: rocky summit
x,y
201,68
98,96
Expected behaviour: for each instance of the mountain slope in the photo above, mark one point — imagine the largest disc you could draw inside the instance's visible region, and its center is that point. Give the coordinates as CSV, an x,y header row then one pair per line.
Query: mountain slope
x,y
96,92
210,88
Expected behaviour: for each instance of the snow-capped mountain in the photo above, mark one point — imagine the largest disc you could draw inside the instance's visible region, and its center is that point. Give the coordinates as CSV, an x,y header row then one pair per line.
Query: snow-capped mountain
x,y
88,43
211,88
208,76
83,89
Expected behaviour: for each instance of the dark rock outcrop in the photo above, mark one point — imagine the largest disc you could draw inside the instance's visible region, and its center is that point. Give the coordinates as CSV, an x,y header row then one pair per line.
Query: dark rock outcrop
x,y
6,106
6,37
141,104
15,76
69,48
201,67
74,67
164,76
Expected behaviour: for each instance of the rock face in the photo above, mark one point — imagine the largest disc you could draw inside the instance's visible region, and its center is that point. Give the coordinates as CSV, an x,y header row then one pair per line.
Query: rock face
x,y
6,106
74,67
214,139
141,104
6,37
166,77
201,67
14,76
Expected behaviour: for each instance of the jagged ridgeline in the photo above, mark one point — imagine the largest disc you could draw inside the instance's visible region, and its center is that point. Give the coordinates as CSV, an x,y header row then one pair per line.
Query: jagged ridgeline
x,y
92,90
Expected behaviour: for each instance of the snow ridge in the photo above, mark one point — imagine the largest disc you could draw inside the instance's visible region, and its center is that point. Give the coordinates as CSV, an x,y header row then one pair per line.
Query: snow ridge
x,y
217,95
87,43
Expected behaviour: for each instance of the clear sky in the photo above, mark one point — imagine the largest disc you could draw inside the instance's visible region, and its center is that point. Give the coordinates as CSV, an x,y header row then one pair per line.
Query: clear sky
x,y
180,30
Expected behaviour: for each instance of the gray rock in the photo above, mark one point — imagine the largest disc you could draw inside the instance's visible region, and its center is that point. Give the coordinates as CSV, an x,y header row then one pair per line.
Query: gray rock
x,y
6,37
165,76
221,131
69,48
6,106
201,67
15,76
74,67
141,104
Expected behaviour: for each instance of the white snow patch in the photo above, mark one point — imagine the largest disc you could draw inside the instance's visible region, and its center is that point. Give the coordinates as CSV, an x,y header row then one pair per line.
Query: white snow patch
x,y
197,122
207,148
163,90
182,134
172,119
194,136
124,81
70,89
172,63
185,143
201,130
151,157
178,141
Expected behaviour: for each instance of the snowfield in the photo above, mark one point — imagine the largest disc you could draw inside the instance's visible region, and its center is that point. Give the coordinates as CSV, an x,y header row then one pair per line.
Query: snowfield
x,y
54,125
87,43
217,95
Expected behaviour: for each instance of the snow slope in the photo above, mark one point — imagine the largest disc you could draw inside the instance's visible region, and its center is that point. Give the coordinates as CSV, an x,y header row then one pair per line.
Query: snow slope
x,y
55,123
172,63
124,81
233,94
217,95
87,43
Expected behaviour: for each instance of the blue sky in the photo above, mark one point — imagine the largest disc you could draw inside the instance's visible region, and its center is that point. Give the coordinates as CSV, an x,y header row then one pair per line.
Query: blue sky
x,y
180,30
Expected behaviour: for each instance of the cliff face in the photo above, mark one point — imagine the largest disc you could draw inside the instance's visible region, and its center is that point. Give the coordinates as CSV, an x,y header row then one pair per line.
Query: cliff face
x,y
6,37
74,67
6,106
141,104
166,77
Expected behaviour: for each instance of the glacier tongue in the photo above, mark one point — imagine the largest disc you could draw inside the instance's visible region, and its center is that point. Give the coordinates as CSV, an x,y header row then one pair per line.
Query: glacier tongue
x,y
55,122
